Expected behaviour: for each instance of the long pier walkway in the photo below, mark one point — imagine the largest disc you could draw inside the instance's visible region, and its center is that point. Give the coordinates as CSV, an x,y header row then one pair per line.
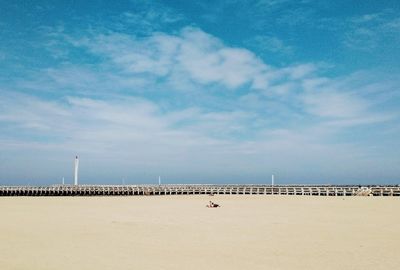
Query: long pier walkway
x,y
189,189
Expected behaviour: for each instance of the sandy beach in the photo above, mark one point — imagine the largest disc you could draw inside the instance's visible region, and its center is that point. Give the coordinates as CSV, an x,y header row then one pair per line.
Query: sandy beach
x,y
179,232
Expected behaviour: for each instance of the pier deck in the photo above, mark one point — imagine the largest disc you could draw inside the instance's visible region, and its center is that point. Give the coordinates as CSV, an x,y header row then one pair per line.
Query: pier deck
x,y
191,189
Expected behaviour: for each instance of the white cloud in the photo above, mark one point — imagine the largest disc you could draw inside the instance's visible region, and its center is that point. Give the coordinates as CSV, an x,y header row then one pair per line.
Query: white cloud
x,y
369,31
135,137
148,17
301,71
28,112
194,53
270,44
346,102
335,105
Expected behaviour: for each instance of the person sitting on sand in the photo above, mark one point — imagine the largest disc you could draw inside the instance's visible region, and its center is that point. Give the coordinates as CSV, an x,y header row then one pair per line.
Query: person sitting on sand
x,y
212,205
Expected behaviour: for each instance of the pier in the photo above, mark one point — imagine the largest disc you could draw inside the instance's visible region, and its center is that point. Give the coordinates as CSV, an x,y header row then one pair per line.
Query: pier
x,y
193,189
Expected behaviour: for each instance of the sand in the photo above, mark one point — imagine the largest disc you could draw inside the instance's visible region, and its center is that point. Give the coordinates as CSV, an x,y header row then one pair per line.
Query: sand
x,y
179,232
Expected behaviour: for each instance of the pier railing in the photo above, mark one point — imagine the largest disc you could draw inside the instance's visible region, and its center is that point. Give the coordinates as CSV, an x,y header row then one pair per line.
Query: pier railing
x,y
194,189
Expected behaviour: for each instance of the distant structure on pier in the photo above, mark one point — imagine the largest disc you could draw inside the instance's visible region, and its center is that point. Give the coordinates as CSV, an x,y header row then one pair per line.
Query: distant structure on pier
x,y
76,170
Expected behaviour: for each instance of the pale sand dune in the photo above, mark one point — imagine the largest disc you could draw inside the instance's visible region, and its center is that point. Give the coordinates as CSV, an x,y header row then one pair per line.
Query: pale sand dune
x,y
179,232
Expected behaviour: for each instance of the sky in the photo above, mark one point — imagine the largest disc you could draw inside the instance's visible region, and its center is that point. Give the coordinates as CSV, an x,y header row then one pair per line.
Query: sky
x,y
215,91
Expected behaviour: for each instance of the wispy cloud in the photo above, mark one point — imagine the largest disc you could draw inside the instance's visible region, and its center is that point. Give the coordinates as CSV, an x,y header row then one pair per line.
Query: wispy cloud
x,y
148,17
193,53
112,133
368,31
194,62
273,44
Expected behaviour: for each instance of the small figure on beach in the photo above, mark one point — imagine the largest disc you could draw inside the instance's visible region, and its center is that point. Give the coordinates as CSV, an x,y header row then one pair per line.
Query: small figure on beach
x,y
213,205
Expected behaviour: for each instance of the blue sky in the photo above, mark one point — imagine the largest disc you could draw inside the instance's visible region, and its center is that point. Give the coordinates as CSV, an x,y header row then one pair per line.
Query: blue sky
x,y
200,91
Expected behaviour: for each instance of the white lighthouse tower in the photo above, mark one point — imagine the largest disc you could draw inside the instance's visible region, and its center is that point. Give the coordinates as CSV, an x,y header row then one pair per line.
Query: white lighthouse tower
x,y
76,170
